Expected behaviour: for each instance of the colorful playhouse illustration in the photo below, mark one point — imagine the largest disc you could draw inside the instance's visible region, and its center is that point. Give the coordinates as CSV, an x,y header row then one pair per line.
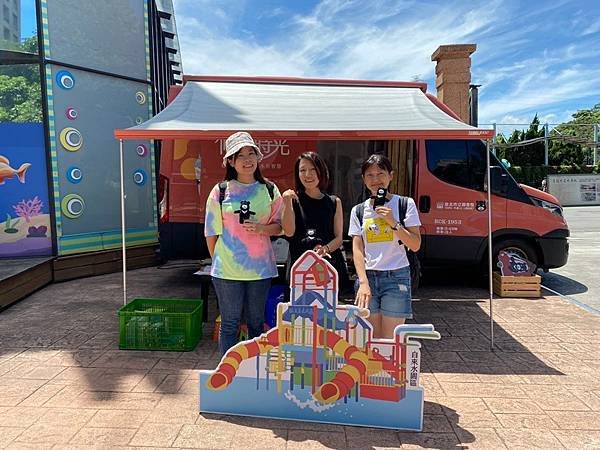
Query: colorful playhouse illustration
x,y
321,363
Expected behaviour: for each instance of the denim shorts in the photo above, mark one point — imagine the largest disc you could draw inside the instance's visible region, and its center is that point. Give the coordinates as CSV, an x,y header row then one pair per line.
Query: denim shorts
x,y
390,292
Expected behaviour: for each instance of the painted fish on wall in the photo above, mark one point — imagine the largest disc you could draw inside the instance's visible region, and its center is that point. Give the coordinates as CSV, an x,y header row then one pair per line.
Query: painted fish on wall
x,y
7,172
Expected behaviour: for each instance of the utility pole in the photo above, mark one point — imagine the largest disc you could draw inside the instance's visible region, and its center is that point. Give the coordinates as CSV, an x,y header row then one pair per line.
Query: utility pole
x,y
595,144
546,144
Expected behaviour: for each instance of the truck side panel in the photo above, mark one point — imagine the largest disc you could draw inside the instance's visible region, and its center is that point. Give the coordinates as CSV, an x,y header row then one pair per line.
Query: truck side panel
x,y
452,203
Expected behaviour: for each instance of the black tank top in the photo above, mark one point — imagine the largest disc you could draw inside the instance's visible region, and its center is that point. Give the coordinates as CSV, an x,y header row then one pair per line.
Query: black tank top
x,y
312,214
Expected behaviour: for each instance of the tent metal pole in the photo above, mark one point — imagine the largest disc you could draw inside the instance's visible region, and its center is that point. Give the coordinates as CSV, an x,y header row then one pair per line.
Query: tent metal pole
x,y
124,248
490,256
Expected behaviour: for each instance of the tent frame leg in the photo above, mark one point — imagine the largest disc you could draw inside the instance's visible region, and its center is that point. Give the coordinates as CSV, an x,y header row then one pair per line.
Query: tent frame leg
x,y
123,240
490,256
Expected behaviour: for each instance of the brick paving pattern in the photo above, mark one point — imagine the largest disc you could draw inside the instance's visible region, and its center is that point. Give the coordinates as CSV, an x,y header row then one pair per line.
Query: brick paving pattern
x,y
65,385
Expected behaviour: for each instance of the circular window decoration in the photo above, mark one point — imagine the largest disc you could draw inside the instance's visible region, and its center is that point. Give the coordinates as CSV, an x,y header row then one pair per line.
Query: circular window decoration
x,y
72,206
141,150
71,139
139,120
139,177
74,174
140,97
71,113
65,79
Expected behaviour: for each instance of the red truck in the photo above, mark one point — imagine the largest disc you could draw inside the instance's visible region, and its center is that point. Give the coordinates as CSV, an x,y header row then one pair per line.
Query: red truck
x,y
445,176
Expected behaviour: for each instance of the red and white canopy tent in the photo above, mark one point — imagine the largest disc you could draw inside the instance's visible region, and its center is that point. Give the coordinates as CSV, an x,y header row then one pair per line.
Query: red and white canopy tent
x,y
213,107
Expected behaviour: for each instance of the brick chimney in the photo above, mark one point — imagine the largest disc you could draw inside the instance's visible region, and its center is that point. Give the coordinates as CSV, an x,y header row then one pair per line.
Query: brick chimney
x,y
453,76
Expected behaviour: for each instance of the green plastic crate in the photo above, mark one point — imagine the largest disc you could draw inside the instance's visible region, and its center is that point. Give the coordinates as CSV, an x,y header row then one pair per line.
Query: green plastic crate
x,y
160,324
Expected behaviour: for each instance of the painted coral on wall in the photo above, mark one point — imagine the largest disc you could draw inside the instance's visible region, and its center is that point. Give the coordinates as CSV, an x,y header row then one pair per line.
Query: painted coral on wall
x,y
24,207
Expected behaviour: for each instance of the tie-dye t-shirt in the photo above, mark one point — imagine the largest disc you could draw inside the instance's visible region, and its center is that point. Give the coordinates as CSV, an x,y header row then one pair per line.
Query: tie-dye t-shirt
x,y
240,255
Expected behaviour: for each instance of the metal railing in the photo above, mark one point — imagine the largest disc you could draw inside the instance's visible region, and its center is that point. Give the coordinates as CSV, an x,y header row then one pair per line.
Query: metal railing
x,y
549,128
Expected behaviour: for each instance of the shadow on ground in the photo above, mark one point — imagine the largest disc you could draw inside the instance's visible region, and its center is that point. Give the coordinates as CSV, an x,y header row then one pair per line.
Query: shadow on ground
x,y
456,302
440,431
562,284
74,325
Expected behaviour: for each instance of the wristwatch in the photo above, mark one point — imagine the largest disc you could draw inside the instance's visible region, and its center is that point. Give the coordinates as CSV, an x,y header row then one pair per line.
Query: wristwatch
x,y
397,226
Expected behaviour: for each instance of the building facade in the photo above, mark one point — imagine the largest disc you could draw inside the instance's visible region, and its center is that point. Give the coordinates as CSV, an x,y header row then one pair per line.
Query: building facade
x,y
10,20
87,69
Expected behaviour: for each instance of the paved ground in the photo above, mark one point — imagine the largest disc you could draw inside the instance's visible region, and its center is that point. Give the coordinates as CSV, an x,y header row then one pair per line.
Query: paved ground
x,y
64,383
579,279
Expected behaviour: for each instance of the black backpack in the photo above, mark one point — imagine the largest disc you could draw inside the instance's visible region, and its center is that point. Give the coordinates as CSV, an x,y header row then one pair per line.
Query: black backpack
x,y
223,188
413,260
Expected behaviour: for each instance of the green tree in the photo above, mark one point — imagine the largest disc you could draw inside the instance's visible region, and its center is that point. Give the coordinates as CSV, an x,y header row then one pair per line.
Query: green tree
x,y
524,155
20,89
20,100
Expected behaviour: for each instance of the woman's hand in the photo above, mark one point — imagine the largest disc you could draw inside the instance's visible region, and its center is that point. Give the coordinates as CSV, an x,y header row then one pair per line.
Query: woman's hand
x,y
363,296
387,215
289,195
253,227
288,218
322,251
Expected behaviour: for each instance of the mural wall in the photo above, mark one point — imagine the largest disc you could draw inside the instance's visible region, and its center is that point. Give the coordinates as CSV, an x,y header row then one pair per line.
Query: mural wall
x,y
25,228
84,109
25,225
94,65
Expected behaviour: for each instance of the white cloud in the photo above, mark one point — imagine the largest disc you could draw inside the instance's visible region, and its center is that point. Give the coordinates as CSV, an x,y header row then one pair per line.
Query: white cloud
x,y
337,39
525,119
234,57
509,123
522,69
594,27
537,88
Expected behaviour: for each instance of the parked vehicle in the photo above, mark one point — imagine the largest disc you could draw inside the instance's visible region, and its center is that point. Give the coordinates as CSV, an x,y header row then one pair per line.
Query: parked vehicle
x,y
443,166
451,195
447,179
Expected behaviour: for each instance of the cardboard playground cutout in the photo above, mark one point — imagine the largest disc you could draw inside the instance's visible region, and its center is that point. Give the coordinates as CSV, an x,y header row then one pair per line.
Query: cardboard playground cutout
x,y
320,363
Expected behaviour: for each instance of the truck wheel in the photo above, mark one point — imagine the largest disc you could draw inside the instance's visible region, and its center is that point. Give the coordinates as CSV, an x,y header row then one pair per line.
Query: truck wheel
x,y
517,247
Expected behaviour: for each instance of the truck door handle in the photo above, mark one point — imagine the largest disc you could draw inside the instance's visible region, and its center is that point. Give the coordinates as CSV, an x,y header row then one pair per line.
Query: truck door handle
x,y
424,203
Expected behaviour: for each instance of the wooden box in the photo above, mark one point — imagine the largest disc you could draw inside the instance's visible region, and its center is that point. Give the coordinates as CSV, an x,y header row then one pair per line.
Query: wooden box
x,y
526,286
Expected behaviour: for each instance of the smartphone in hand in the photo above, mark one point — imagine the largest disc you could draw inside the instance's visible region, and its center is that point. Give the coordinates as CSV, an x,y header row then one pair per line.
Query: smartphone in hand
x,y
380,198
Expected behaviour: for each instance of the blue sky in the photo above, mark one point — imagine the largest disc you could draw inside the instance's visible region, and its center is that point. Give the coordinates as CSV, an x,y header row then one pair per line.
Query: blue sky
x,y
532,57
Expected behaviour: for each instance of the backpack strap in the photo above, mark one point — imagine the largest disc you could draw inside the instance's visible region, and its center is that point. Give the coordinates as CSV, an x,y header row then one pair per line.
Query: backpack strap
x,y
271,189
301,212
222,189
360,212
402,208
333,199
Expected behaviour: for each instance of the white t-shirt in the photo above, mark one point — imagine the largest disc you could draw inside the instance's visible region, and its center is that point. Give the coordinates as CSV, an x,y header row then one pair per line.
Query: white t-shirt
x,y
378,236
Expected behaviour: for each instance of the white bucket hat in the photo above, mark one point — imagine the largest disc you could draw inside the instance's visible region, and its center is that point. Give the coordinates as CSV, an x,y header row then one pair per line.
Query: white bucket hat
x,y
236,142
